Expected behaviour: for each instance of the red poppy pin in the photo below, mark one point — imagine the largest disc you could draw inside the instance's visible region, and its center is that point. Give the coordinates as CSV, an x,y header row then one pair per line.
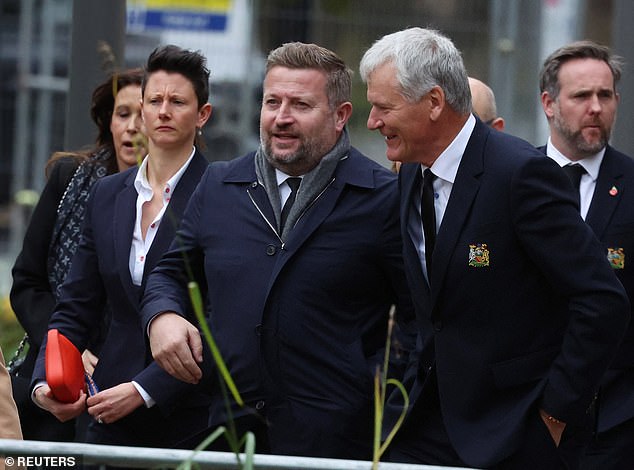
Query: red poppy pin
x,y
613,191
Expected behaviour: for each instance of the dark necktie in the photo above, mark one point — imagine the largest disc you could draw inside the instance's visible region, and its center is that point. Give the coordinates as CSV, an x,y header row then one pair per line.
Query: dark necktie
x,y
428,214
293,183
575,172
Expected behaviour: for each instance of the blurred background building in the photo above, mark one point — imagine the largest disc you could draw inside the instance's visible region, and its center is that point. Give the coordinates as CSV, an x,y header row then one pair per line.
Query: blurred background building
x,y
53,53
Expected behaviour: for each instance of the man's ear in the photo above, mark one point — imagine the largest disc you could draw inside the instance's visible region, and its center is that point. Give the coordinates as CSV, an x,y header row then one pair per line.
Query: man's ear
x,y
547,104
498,123
436,97
342,114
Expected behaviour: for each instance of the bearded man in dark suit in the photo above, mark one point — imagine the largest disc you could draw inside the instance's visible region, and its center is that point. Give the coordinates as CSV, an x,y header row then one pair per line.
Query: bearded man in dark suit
x,y
579,96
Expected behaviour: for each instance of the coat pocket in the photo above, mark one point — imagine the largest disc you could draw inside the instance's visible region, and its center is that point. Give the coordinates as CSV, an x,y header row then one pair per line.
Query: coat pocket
x,y
520,370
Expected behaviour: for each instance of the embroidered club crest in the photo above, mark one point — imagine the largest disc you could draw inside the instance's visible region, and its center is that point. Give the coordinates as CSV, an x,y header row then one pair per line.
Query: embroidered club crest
x,y
478,255
616,257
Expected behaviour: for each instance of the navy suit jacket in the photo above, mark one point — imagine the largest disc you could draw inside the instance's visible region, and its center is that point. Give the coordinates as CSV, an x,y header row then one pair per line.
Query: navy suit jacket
x,y
533,322
100,274
611,217
300,324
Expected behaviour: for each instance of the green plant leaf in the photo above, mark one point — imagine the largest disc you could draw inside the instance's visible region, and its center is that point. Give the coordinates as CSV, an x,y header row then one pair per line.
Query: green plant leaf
x,y
401,418
249,450
187,464
194,294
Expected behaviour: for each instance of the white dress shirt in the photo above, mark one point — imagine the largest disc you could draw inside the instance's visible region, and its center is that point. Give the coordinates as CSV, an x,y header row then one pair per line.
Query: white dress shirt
x,y
140,247
445,167
282,185
588,180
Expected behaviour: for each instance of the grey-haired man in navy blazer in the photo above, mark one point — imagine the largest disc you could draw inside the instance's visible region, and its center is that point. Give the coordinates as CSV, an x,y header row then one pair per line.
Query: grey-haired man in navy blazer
x,y
519,311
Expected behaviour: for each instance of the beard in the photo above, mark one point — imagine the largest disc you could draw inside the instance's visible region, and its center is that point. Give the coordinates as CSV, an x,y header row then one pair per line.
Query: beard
x,y
576,139
305,158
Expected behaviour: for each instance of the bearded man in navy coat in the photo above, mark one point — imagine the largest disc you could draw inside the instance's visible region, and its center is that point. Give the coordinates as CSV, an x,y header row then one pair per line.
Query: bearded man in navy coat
x,y
298,293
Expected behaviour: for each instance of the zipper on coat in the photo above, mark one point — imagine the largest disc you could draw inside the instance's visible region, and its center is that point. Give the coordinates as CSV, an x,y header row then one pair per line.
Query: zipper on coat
x,y
268,222
272,227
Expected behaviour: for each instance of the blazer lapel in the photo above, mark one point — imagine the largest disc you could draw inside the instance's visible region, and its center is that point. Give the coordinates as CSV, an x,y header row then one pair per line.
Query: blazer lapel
x,y
463,194
174,212
123,229
607,194
409,176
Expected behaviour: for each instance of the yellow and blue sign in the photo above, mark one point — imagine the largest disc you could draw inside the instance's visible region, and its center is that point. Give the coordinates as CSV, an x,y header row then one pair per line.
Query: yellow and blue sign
x,y
188,15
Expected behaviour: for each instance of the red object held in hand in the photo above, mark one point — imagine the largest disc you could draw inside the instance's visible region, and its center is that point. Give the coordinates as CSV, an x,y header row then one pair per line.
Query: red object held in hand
x,y
64,368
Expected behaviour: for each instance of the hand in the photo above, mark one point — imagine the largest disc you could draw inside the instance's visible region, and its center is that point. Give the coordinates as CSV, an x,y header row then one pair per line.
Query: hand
x,y
555,427
44,398
114,403
176,346
90,361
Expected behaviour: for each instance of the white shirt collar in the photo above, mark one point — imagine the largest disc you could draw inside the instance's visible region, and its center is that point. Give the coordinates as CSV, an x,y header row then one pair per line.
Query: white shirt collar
x,y
590,164
142,185
446,165
281,177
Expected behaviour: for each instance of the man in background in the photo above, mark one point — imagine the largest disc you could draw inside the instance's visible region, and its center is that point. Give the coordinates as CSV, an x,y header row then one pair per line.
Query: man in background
x,y
483,103
578,84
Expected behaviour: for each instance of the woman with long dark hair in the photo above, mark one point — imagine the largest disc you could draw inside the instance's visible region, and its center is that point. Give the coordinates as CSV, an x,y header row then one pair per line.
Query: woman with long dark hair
x,y
53,233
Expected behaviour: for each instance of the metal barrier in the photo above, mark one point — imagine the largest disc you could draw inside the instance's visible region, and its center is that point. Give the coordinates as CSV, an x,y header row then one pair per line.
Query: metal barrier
x,y
146,457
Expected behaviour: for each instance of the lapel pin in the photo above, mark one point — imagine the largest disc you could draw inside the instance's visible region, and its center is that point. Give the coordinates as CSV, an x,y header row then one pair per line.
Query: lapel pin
x,y
616,257
613,191
478,255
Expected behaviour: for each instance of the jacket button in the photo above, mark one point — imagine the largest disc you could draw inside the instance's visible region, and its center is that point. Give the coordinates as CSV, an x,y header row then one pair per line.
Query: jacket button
x,y
437,325
270,250
259,405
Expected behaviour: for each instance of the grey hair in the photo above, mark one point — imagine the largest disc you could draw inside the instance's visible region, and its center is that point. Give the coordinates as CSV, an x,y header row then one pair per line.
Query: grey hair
x,y
424,58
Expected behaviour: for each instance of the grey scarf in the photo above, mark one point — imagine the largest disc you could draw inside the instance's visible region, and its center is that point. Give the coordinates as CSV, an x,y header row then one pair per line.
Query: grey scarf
x,y
313,182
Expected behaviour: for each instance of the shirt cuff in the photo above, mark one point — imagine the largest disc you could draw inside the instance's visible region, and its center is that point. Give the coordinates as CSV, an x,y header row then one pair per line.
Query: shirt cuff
x,y
149,401
38,385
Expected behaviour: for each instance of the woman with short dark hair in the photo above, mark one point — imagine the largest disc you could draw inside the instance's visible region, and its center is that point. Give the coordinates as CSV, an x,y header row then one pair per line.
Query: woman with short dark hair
x,y
131,220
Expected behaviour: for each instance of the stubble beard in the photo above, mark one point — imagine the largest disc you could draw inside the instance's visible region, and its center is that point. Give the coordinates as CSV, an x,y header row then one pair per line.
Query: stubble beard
x,y
577,141
300,162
